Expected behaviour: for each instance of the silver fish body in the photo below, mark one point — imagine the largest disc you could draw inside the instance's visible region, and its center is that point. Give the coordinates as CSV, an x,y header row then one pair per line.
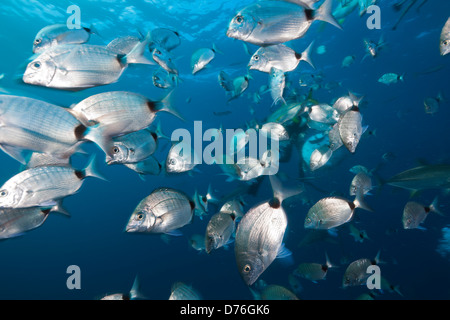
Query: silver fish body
x,y
164,210
58,34
164,38
323,113
277,82
181,291
149,166
329,213
415,213
312,271
320,157
133,147
444,44
259,237
164,80
390,78
201,58
274,22
334,137
219,230
163,58
16,221
361,183
356,273
350,129
42,185
181,158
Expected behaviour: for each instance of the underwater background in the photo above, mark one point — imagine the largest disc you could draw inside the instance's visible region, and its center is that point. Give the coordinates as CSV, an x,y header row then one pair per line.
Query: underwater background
x,y
93,238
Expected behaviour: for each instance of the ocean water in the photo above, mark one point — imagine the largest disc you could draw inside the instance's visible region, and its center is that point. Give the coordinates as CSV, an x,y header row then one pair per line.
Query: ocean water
x,y
34,265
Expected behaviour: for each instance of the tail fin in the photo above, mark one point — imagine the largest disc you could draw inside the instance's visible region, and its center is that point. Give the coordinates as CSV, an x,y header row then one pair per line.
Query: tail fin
x,y
306,55
359,201
324,14
434,207
137,54
91,170
356,100
402,77
159,132
215,49
166,105
135,290
60,208
280,193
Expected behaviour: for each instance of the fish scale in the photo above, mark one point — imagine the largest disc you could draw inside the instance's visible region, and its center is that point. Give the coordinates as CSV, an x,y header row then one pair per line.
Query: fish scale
x,y
350,129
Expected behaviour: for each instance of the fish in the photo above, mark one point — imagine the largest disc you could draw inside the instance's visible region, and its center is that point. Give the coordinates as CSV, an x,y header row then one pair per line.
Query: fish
x,y
197,242
323,113
123,45
132,295
46,128
202,57
263,291
313,271
164,80
164,38
226,81
274,22
414,213
345,103
334,138
330,212
219,230
181,158
165,61
81,66
17,221
304,3
373,48
59,34
360,186
348,61
391,78
120,112
444,44
182,291
320,157
274,130
422,178
38,159
240,84
277,82
132,147
42,186
358,235
432,104
233,207
260,233
280,57
350,128
163,211
356,272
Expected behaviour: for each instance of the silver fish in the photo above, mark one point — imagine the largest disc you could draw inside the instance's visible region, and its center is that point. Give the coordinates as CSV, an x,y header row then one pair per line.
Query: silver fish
x,y
219,230
274,22
16,221
334,137
323,113
304,3
275,131
123,45
132,295
414,214
41,186
164,38
356,273
361,184
313,271
38,159
120,112
444,45
233,207
163,211
181,158
390,78
181,291
260,233
345,103
263,291
280,57
133,147
201,58
240,84
320,157
77,67
277,82
226,81
350,128
58,34
35,125
163,58
329,213
164,80
423,177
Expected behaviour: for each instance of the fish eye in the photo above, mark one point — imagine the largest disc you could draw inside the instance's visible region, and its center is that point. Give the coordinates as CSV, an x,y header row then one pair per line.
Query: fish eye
x,y
172,162
239,19
445,42
115,150
3,193
36,65
247,268
140,216
256,57
308,220
37,41
157,52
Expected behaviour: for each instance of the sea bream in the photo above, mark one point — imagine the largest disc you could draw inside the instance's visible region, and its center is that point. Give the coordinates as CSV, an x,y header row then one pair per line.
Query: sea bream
x,y
219,230
260,233
58,34
356,272
273,22
163,211
414,213
42,186
350,128
444,45
81,66
280,57
34,125
202,57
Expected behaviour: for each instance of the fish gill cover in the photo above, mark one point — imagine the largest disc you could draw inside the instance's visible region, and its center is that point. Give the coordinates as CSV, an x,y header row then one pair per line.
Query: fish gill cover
x,y
117,121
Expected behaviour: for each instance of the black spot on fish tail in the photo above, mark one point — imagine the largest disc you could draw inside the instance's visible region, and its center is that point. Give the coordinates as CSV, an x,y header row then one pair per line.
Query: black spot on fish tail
x,y
79,131
275,203
324,268
298,56
121,59
352,205
151,106
80,174
154,135
355,108
427,209
309,14
46,211
192,204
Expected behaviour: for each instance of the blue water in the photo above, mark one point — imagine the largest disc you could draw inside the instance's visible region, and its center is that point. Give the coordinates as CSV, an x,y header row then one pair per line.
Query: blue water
x,y
33,266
